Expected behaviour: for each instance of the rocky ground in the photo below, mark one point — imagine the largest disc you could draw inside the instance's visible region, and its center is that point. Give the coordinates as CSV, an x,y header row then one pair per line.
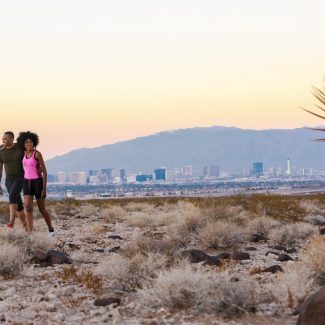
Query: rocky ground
x,y
82,290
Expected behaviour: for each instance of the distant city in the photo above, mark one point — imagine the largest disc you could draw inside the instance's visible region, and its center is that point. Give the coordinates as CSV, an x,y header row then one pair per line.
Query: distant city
x,y
185,173
211,180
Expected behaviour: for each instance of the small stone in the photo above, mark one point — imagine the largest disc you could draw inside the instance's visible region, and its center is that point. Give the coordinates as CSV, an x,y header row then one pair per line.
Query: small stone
x,y
322,231
115,237
56,257
107,301
257,237
114,249
99,250
274,269
284,258
224,256
239,256
197,256
278,247
250,248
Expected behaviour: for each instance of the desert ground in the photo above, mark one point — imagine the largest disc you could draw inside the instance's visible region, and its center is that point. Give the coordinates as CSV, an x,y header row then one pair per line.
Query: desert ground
x,y
234,260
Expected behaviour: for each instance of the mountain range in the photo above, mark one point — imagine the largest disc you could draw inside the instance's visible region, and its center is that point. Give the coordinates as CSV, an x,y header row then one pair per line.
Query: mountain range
x,y
231,148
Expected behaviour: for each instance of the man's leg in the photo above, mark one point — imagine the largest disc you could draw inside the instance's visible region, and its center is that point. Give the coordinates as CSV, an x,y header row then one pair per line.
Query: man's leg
x,y
14,188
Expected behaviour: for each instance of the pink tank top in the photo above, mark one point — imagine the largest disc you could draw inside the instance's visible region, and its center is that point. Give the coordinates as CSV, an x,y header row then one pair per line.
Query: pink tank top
x,y
30,167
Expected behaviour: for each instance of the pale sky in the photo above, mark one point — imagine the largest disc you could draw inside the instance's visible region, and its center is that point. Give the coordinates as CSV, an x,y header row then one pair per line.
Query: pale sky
x,y
87,73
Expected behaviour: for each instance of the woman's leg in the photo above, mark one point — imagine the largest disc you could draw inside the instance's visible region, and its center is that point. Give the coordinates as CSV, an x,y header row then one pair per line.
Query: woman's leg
x,y
29,212
44,213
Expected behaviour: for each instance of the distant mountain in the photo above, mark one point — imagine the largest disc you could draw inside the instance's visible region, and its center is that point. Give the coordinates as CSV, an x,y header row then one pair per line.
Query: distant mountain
x,y
231,148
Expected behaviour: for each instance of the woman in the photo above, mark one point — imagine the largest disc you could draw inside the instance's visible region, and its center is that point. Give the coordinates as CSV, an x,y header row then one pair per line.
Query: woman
x,y
35,179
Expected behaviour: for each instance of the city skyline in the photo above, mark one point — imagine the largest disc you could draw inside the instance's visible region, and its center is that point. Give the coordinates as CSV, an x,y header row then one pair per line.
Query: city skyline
x,y
85,74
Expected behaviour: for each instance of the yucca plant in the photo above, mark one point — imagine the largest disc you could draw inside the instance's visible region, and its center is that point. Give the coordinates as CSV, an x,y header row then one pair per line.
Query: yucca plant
x,y
319,94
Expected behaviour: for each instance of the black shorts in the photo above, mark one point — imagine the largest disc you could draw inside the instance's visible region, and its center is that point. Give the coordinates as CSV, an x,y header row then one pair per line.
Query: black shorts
x,y
14,187
33,187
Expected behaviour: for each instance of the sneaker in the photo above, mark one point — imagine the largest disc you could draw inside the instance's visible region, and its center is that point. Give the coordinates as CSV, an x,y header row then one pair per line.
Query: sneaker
x,y
52,233
10,225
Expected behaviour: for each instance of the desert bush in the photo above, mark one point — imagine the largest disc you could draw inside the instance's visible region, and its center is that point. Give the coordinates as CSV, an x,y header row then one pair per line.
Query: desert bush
x,y
312,207
221,234
302,278
315,219
11,259
128,274
292,234
88,210
139,206
200,290
261,225
112,214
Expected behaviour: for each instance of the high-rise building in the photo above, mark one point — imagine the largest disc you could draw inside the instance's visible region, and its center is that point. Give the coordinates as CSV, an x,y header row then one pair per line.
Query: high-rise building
x,y
187,171
288,171
78,177
122,175
143,178
257,169
212,171
92,172
62,178
160,174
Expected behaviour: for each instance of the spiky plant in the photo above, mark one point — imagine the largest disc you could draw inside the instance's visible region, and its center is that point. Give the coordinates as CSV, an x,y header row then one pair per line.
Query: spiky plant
x,y
319,94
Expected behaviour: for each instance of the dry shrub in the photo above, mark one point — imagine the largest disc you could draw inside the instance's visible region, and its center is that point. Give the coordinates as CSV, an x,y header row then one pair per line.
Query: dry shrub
x,y
128,274
11,259
146,245
200,290
314,258
139,206
221,212
315,219
88,210
85,278
15,237
112,214
292,234
221,234
302,278
312,207
261,225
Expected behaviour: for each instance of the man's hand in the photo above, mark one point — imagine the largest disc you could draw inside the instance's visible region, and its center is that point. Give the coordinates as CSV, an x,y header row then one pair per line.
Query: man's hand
x,y
1,192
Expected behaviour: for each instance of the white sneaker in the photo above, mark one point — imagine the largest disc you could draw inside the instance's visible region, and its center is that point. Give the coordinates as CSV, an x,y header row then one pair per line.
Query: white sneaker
x,y
53,233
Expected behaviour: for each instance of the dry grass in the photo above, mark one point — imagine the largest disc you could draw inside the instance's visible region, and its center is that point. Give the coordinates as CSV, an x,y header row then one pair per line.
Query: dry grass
x,y
112,214
128,274
301,279
202,290
11,259
85,278
292,234
221,234
261,225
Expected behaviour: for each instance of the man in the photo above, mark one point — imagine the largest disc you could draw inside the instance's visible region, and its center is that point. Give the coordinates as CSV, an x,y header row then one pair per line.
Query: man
x,y
11,156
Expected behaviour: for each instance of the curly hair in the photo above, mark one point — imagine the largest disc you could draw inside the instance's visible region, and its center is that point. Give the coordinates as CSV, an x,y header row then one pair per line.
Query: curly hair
x,y
23,136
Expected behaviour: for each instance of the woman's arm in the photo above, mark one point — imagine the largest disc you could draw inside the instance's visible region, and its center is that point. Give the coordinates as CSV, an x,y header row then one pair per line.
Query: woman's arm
x,y
39,158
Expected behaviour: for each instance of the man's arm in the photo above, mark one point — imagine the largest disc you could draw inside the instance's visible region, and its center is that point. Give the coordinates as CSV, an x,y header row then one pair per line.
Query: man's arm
x,y
1,168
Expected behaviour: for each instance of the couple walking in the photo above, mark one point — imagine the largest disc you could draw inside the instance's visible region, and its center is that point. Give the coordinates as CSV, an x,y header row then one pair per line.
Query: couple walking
x,y
25,170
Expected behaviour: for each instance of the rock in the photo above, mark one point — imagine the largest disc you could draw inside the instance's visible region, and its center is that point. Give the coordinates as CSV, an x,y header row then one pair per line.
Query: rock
x,y
99,250
322,230
115,237
284,258
107,301
257,237
250,248
278,247
224,256
56,257
114,249
291,250
272,252
240,256
312,311
197,256
274,269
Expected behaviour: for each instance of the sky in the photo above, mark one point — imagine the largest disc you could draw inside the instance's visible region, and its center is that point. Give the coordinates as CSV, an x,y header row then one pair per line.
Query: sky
x,y
88,73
